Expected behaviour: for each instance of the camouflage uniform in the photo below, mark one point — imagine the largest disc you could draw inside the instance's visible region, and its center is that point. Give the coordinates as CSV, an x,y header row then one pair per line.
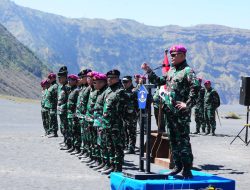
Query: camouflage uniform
x,y
45,111
199,111
113,112
91,133
51,104
182,86
81,108
156,104
130,118
211,103
63,93
73,137
100,149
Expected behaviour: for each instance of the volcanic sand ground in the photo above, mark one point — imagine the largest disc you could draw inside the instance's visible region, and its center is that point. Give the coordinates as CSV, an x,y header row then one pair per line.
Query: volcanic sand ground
x,y
29,161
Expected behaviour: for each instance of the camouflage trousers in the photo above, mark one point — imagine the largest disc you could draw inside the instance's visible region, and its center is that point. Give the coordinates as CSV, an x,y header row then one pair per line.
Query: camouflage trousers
x,y
129,125
45,119
88,137
63,125
199,119
179,129
115,144
102,141
209,115
82,139
74,132
53,124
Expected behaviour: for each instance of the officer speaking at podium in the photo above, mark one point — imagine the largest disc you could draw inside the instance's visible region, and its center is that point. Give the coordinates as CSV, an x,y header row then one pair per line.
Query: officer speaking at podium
x,y
182,90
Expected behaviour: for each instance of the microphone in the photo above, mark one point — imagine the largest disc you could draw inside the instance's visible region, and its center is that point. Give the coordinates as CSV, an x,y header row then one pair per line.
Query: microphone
x,y
163,65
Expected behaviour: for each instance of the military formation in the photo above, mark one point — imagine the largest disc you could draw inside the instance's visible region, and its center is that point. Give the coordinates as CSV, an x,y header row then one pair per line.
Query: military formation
x,y
98,113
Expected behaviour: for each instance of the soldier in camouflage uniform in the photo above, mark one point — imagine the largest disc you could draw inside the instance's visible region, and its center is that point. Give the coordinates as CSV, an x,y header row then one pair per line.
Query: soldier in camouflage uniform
x,y
51,104
44,111
82,101
199,110
130,117
211,103
100,149
182,91
63,93
90,132
71,114
113,113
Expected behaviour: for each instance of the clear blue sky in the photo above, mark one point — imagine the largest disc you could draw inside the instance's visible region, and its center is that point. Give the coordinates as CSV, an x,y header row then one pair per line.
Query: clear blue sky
x,y
152,12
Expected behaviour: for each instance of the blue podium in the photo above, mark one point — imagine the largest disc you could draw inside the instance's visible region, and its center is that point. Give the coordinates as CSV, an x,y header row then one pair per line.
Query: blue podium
x,y
199,181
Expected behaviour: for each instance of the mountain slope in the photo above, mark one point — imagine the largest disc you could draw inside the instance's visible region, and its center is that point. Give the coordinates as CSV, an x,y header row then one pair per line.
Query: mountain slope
x,y
218,53
20,69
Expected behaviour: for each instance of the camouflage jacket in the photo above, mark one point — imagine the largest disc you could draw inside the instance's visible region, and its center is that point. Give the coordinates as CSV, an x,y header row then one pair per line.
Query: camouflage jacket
x,y
89,117
98,108
182,86
82,101
114,106
211,99
52,96
200,100
44,99
131,103
72,100
63,93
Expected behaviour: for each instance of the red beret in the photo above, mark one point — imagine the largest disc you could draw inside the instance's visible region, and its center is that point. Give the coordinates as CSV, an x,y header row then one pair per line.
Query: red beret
x,y
73,77
92,73
137,76
100,76
178,48
207,82
51,76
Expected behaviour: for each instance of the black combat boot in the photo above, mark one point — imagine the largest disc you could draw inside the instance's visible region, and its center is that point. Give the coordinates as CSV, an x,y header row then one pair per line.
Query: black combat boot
x,y
213,132
208,131
101,165
71,150
177,169
130,150
108,171
186,172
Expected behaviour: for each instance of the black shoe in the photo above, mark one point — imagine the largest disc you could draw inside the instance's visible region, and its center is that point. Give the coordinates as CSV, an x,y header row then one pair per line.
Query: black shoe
x,y
96,163
207,133
87,160
175,171
77,151
187,174
103,168
90,163
130,151
71,150
108,171
213,134
85,155
196,132
79,154
65,148
99,166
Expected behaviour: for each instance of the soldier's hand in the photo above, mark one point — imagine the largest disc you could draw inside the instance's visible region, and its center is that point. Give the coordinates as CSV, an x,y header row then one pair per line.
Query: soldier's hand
x,y
145,67
181,106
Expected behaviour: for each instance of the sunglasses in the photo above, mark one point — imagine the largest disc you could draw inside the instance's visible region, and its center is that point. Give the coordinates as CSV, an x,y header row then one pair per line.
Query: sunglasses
x,y
125,81
174,54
